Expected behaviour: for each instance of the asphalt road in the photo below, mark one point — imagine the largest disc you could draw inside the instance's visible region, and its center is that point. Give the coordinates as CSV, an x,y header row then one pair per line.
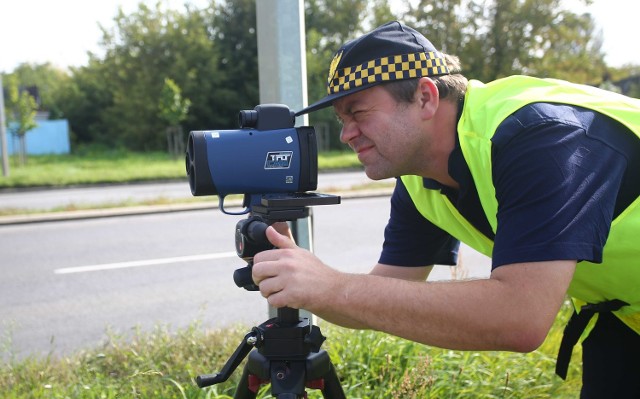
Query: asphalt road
x,y
64,285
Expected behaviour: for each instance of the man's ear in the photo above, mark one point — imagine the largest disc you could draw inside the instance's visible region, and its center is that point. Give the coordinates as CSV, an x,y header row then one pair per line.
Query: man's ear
x,y
428,97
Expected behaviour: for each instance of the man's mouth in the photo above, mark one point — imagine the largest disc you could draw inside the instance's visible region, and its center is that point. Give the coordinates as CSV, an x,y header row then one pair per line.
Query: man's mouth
x,y
363,150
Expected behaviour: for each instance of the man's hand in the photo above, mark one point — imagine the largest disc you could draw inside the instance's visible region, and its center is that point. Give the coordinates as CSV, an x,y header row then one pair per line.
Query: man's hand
x,y
291,276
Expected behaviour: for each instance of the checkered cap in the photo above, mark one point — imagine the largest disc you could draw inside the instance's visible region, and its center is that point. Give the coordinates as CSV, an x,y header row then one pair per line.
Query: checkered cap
x,y
390,52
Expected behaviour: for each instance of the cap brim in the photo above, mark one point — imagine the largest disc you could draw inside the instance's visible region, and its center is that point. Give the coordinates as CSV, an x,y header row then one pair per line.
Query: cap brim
x,y
328,100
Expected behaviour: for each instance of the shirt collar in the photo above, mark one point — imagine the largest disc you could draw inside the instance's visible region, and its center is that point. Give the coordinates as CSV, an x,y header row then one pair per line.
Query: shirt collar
x,y
458,168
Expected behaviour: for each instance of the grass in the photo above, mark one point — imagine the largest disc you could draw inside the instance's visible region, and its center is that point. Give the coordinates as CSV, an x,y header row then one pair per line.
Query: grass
x,y
120,167
126,203
161,364
70,170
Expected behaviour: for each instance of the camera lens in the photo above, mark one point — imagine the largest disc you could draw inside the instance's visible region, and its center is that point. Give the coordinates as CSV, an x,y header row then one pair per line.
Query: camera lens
x,y
200,180
190,164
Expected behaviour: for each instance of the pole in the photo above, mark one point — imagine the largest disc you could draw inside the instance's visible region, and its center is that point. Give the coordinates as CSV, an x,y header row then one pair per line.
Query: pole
x,y
282,62
282,69
3,134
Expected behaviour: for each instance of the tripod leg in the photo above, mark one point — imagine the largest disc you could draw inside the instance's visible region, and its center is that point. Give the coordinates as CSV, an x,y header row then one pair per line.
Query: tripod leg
x,y
242,390
332,388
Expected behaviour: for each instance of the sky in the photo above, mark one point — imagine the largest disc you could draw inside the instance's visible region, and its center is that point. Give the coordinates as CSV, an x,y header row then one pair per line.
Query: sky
x,y
63,31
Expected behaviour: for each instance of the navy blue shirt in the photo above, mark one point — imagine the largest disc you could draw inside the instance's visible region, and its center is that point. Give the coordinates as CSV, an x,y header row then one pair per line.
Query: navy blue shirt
x,y
561,173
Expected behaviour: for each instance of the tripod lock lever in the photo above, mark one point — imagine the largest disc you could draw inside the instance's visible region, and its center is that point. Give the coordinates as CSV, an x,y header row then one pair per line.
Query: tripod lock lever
x,y
247,344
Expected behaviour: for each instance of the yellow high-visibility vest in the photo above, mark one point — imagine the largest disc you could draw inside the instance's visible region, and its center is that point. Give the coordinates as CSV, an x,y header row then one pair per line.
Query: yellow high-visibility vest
x,y
486,106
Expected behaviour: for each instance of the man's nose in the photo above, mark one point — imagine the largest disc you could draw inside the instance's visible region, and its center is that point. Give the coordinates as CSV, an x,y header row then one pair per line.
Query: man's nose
x,y
349,132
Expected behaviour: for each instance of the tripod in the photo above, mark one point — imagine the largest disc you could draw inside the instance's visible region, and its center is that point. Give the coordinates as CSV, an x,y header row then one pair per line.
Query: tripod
x,y
287,355
287,347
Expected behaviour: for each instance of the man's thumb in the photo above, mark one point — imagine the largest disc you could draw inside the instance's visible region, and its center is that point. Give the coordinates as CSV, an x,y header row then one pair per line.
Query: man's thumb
x,y
278,240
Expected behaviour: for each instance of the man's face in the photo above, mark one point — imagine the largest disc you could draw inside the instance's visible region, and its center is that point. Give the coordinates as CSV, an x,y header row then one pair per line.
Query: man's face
x,y
383,132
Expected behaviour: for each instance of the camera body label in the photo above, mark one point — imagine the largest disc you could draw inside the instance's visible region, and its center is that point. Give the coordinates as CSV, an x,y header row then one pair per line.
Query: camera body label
x,y
278,160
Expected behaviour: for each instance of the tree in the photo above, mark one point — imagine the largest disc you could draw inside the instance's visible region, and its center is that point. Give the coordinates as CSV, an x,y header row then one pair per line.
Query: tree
x,y
505,37
84,101
173,109
49,80
447,24
211,54
233,28
380,12
140,51
21,113
555,42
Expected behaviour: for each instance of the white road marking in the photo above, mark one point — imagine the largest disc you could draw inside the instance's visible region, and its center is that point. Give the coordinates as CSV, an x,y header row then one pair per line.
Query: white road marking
x,y
139,263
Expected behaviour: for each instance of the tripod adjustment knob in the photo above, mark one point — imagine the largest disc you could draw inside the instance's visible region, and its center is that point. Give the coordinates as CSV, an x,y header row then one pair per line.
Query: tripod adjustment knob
x,y
243,279
314,339
256,338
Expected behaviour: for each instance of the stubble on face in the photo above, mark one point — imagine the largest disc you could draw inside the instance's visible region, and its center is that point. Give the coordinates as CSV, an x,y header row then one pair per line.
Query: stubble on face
x,y
396,142
381,131
399,146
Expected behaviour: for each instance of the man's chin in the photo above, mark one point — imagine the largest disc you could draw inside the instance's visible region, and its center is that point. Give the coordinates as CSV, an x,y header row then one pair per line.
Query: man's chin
x,y
374,174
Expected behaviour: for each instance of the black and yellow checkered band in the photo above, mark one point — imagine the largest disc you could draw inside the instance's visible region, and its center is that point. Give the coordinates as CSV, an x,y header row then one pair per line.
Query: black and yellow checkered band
x,y
384,69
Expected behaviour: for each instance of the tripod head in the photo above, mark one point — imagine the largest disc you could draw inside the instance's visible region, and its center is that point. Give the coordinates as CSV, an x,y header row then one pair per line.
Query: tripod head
x,y
265,210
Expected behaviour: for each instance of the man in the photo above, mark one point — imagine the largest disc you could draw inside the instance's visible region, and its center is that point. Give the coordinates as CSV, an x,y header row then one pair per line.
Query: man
x,y
541,175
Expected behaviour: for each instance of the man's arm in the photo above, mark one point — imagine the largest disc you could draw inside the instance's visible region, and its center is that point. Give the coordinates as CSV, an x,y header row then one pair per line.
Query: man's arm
x,y
512,310
404,273
414,273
